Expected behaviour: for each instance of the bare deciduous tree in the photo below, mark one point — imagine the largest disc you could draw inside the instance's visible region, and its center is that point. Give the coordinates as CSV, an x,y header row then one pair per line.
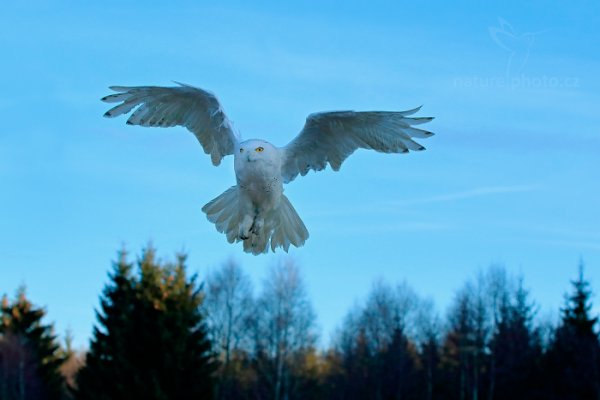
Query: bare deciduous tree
x,y
229,306
285,327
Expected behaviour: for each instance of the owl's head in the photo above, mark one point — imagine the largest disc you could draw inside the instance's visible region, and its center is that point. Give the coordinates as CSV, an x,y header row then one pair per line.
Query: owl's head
x,y
256,150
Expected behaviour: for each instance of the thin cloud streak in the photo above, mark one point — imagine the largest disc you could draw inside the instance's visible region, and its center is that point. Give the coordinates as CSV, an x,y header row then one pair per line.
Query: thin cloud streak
x,y
468,194
373,229
570,243
391,206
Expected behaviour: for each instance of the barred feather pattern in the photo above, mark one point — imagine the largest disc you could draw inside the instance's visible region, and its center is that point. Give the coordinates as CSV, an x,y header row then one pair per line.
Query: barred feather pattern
x,y
330,137
195,109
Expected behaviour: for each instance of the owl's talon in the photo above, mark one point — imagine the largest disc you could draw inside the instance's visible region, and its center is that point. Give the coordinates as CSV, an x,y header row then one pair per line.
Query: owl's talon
x,y
245,228
257,226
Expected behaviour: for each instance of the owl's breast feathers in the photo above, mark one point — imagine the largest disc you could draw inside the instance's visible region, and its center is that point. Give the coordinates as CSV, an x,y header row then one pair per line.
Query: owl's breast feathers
x,y
260,178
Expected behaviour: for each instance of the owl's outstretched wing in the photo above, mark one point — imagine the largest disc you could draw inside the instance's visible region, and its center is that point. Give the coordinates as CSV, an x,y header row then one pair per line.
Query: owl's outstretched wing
x,y
330,137
184,105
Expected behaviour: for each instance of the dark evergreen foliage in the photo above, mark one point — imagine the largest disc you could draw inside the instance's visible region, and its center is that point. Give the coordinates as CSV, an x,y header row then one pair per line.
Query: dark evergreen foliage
x,y
429,358
459,352
30,357
573,360
151,339
374,356
397,369
515,351
151,342
359,378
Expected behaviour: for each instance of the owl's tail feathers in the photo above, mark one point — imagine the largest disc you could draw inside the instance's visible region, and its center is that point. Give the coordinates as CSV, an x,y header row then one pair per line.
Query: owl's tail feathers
x,y
281,228
224,212
285,226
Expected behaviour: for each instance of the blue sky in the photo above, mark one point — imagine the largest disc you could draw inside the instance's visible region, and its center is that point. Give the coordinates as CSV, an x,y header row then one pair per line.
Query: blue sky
x,y
512,175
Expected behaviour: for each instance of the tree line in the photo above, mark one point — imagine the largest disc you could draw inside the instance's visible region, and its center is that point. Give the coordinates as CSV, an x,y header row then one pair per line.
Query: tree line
x,y
162,334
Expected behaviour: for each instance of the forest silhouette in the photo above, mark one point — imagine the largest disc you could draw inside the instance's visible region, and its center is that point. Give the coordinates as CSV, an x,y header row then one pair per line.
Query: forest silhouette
x,y
161,333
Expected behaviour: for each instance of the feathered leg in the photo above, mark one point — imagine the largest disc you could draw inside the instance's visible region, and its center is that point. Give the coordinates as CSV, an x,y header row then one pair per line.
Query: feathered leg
x,y
234,214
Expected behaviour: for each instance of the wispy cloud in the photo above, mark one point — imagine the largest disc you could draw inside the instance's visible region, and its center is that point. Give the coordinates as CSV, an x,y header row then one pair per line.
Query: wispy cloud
x,y
395,206
571,243
377,229
468,194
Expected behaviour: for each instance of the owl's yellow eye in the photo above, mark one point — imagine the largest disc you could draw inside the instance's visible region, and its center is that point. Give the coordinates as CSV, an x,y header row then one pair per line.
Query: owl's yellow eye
x,y
241,150
259,149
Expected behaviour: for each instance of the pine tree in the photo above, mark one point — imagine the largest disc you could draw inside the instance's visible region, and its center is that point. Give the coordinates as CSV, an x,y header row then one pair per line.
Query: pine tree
x,y
359,369
574,356
516,349
107,361
377,358
74,360
397,368
29,353
429,357
151,342
459,348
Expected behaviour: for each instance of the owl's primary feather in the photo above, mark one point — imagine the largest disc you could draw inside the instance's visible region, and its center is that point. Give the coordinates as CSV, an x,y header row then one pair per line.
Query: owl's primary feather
x,y
196,109
255,211
330,137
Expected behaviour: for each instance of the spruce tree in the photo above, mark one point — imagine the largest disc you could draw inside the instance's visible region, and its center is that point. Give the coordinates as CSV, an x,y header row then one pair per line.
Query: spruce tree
x,y
516,349
458,349
29,353
574,356
430,364
398,369
151,339
107,363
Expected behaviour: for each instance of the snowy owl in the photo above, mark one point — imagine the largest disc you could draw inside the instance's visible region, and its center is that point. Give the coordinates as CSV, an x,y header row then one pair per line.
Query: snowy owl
x,y
255,211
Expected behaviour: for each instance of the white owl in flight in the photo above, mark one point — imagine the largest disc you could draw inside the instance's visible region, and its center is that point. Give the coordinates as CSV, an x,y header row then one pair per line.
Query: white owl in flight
x,y
255,211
